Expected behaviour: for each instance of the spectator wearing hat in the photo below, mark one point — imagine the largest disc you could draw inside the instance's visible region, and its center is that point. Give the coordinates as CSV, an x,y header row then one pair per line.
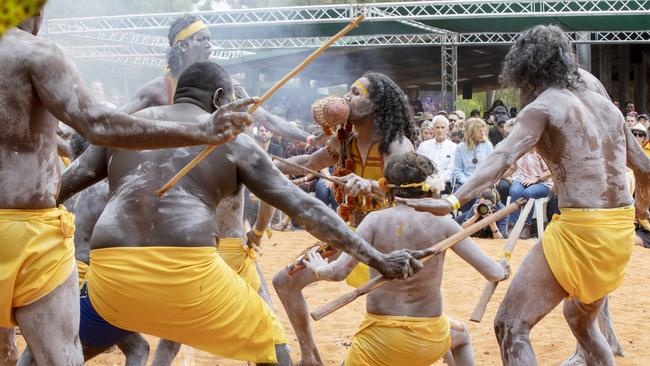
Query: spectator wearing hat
x,y
440,150
456,120
643,119
640,132
456,136
497,132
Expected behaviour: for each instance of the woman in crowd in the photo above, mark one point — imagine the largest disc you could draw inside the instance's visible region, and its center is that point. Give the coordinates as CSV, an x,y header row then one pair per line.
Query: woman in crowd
x,y
531,179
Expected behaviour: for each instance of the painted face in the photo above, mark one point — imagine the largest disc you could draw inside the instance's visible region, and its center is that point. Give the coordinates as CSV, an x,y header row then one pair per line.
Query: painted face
x,y
359,99
440,131
427,134
199,48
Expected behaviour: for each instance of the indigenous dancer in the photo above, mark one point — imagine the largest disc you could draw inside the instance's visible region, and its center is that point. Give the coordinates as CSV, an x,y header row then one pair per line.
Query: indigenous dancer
x,y
38,277
380,124
404,323
584,140
147,250
189,42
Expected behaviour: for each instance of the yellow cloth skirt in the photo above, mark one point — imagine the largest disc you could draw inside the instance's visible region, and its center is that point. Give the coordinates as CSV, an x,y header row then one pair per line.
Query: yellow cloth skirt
x,y
82,270
359,275
185,294
384,340
240,258
36,256
588,250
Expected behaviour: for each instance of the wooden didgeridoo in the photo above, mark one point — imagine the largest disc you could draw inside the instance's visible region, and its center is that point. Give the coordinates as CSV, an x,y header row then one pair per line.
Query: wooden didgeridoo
x,y
331,179
488,290
186,169
379,281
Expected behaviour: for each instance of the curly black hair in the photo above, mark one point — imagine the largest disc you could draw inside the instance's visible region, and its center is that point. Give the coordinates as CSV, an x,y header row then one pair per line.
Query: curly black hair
x,y
407,168
174,53
393,115
541,57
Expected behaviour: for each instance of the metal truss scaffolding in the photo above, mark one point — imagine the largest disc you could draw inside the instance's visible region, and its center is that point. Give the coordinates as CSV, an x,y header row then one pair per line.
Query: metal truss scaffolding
x,y
131,39
414,11
449,72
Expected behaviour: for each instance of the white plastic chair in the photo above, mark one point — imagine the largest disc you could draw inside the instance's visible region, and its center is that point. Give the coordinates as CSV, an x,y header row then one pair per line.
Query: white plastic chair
x,y
539,213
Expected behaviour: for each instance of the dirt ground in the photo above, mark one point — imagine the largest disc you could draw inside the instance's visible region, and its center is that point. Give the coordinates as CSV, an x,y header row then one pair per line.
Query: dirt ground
x,y
552,339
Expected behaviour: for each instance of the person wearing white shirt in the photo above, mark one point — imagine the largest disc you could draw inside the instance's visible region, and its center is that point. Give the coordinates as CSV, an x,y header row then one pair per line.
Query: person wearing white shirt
x,y
440,149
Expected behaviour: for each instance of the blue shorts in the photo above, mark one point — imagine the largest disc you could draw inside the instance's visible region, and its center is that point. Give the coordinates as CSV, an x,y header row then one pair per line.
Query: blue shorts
x,y
94,331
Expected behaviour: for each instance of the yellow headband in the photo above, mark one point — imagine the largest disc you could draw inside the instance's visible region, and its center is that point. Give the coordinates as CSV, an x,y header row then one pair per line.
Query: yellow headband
x,y
190,30
361,88
384,185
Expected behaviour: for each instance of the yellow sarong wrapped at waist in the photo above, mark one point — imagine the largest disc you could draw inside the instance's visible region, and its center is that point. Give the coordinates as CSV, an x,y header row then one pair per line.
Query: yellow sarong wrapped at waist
x,y
384,340
359,275
36,256
185,294
588,250
82,270
240,258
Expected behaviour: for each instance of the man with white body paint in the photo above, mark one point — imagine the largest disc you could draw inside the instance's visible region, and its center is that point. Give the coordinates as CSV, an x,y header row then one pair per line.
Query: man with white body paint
x,y
190,42
147,250
38,279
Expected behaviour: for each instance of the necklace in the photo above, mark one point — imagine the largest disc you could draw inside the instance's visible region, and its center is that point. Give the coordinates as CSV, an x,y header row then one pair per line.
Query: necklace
x,y
475,160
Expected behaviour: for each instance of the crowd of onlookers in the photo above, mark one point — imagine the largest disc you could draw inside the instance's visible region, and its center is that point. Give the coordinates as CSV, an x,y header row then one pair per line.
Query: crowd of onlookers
x,y
458,143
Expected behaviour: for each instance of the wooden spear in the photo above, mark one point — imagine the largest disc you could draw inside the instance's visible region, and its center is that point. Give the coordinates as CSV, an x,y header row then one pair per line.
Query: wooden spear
x,y
488,290
379,281
318,174
264,97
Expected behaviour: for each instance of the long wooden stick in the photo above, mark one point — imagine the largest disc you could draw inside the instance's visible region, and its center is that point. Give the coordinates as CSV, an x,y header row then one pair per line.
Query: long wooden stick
x,y
310,171
264,97
331,179
379,281
490,287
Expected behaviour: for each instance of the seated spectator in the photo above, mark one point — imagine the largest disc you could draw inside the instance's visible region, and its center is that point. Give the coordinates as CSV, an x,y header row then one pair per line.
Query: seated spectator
x,y
427,130
630,120
456,120
440,150
456,136
422,117
503,187
497,132
487,204
641,134
531,179
263,137
643,119
325,189
473,150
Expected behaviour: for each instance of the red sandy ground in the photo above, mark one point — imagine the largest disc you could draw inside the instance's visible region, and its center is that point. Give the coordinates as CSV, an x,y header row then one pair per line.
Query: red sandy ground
x,y
552,339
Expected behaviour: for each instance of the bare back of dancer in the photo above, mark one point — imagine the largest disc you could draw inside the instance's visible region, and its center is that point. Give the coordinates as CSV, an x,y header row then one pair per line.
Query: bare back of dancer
x,y
39,86
583,139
